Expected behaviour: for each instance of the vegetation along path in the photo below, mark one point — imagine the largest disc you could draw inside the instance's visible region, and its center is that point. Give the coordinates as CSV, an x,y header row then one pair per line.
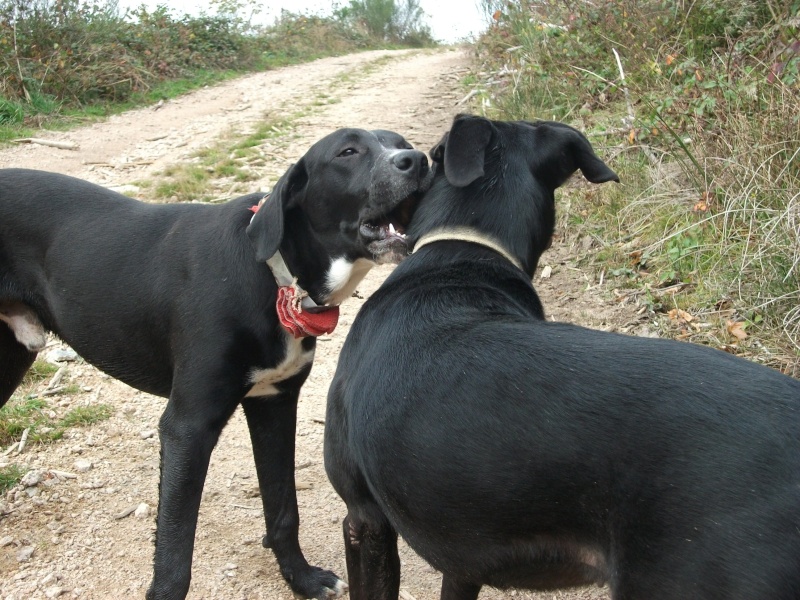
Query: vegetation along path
x,y
86,529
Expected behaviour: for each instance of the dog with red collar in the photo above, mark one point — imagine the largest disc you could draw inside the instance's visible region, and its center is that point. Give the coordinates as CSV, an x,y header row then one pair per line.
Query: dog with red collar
x,y
198,304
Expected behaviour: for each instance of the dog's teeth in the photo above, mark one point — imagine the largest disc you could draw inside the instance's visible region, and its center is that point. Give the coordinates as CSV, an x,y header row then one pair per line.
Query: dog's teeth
x,y
391,229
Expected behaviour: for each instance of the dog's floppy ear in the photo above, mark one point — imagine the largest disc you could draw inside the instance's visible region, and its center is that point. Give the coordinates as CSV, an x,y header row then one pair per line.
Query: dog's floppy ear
x,y
562,150
437,152
464,149
592,167
266,229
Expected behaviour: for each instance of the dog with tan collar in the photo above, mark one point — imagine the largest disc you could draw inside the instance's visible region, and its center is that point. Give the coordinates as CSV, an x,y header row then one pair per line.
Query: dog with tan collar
x,y
514,452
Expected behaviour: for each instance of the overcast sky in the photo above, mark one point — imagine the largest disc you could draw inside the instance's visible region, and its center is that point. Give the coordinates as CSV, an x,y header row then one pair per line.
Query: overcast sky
x,y
450,20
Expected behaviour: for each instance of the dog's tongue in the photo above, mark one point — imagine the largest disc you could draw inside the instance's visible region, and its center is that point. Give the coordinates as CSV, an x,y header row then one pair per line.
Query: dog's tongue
x,y
303,323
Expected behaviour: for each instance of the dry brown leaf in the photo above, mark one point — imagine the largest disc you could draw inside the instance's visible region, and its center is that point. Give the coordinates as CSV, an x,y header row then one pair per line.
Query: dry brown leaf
x,y
676,314
736,329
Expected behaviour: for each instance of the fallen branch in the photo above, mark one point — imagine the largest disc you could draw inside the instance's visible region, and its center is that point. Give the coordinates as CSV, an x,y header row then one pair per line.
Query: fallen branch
x,y
53,143
23,440
467,97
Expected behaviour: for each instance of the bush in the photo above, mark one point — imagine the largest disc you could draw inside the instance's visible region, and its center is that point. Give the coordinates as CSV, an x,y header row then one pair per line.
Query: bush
x,y
709,131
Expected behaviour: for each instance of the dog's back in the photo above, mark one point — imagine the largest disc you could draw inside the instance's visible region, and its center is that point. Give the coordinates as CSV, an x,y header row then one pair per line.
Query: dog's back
x,y
523,443
140,255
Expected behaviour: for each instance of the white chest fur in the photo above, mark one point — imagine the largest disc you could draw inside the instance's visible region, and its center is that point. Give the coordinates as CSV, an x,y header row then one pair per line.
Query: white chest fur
x,y
343,277
296,358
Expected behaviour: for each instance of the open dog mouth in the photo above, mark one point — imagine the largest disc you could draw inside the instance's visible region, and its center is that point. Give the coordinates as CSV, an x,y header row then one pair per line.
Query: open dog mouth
x,y
385,235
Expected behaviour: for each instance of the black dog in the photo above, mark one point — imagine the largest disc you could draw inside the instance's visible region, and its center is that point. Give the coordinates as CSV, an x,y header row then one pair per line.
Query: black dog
x,y
514,452
175,300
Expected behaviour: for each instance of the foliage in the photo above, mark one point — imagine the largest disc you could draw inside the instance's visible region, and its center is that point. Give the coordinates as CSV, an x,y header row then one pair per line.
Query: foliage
x,y
294,37
400,21
59,55
707,120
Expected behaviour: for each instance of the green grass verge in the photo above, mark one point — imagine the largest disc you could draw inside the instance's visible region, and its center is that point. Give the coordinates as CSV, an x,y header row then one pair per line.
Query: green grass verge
x,y
44,421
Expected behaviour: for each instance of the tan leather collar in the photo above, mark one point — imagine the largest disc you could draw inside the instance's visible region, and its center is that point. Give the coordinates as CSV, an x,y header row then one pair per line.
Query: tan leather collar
x,y
466,234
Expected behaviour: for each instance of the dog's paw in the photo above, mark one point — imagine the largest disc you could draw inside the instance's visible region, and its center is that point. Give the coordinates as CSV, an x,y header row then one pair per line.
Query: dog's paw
x,y
318,584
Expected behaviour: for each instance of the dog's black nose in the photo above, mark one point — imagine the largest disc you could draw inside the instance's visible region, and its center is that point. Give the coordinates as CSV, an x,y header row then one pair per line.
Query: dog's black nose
x,y
412,161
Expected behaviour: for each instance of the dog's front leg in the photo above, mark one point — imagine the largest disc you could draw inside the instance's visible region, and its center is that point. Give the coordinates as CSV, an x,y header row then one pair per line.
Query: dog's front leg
x,y
373,564
453,589
272,424
188,435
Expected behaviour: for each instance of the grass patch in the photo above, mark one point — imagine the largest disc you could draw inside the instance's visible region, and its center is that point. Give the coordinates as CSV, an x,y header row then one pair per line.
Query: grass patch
x,y
44,421
235,159
228,159
9,477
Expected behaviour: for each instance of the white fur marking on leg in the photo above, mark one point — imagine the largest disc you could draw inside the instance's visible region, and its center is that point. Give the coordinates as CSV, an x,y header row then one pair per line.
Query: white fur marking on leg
x,y
25,325
339,589
343,277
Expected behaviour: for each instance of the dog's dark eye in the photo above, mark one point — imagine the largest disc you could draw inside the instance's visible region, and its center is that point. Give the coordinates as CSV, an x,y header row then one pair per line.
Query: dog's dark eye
x,y
348,152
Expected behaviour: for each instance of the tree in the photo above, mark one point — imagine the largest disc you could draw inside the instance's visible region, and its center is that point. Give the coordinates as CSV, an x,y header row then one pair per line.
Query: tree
x,y
390,19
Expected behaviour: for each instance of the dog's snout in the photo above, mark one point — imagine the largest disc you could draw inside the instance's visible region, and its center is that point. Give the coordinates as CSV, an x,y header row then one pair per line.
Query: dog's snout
x,y
411,161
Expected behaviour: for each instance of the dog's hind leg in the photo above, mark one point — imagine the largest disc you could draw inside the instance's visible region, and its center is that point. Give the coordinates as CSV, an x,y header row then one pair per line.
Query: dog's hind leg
x,y
373,564
272,423
15,359
453,589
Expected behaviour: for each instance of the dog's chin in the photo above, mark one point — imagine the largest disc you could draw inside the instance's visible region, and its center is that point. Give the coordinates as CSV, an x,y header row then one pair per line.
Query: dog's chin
x,y
383,234
389,252
384,245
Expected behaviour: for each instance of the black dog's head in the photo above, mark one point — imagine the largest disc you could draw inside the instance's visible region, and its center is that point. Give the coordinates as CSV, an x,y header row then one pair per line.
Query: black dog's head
x,y
341,208
499,177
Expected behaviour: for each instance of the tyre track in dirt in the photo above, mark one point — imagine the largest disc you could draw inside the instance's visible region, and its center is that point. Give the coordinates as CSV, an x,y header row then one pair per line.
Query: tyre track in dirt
x,y
82,547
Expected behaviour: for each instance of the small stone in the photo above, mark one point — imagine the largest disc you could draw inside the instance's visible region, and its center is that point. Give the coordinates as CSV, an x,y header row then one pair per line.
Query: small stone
x,y
6,541
147,434
83,465
24,554
48,579
54,592
31,478
230,567
142,511
58,355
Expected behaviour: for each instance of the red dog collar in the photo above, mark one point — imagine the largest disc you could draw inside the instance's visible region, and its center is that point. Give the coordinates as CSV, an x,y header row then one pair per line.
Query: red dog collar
x,y
300,321
303,323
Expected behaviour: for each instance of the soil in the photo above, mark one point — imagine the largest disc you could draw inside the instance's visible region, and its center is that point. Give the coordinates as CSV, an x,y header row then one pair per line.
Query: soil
x,y
85,538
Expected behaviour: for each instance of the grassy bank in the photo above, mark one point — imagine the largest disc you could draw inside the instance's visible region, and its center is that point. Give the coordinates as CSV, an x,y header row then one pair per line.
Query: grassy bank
x,y
72,59
697,104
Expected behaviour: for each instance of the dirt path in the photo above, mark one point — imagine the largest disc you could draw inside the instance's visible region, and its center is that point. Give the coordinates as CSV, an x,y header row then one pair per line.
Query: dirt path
x,y
82,545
